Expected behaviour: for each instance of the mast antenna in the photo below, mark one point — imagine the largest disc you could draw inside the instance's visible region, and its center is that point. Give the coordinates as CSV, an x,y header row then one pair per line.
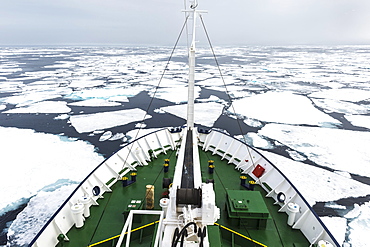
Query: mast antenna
x,y
193,14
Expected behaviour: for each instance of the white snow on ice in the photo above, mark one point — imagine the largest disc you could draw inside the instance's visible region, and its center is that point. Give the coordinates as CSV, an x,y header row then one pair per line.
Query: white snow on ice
x,y
255,140
117,136
282,107
97,121
108,93
359,120
28,97
86,82
62,117
215,82
359,227
334,205
43,107
137,133
354,213
332,105
213,110
252,122
39,159
337,226
178,94
38,211
345,94
343,150
105,136
309,179
166,83
95,103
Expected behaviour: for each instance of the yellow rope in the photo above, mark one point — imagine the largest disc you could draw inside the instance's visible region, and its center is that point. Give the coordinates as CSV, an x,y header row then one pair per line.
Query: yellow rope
x,y
134,230
239,234
141,227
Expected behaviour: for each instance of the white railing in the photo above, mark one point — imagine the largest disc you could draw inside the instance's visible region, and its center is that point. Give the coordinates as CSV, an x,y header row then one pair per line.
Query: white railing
x,y
273,181
101,179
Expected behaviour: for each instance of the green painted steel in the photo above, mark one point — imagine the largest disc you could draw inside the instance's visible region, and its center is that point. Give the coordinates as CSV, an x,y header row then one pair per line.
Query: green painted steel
x,y
104,225
214,236
247,208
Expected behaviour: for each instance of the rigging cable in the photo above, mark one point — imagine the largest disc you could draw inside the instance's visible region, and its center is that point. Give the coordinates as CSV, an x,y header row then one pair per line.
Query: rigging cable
x,y
223,186
156,89
232,106
227,92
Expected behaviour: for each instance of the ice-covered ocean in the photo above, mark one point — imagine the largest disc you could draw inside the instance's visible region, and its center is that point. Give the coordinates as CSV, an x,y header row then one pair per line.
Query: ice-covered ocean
x,y
63,110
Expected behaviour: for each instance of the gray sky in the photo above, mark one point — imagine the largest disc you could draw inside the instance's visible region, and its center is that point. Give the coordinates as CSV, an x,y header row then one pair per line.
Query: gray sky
x,y
158,22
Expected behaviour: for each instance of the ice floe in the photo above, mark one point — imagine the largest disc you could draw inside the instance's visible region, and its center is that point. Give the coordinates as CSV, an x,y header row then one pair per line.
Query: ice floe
x,y
119,98
216,82
331,105
117,136
95,103
354,213
346,94
137,133
344,174
62,117
176,95
214,99
10,86
295,155
140,125
359,120
252,122
166,83
255,140
337,226
359,227
33,96
39,159
108,93
38,211
343,150
104,120
105,136
308,179
213,110
334,205
86,82
43,107
282,107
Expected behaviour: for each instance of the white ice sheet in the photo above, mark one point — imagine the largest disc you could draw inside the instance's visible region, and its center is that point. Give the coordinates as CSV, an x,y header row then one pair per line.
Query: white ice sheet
x,y
43,107
213,110
342,150
309,179
37,160
97,121
282,107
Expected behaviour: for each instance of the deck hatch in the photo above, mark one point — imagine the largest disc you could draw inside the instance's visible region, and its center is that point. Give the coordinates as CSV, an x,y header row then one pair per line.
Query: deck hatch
x,y
247,208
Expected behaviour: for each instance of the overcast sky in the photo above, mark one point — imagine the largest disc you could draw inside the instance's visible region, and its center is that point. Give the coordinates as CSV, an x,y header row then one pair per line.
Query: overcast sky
x,y
158,22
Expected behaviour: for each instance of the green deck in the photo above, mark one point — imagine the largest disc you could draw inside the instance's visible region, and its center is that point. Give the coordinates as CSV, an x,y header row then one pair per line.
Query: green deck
x,y
107,219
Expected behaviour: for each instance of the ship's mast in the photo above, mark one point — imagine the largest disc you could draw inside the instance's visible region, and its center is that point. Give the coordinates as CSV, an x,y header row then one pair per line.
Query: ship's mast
x,y
190,111
191,202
